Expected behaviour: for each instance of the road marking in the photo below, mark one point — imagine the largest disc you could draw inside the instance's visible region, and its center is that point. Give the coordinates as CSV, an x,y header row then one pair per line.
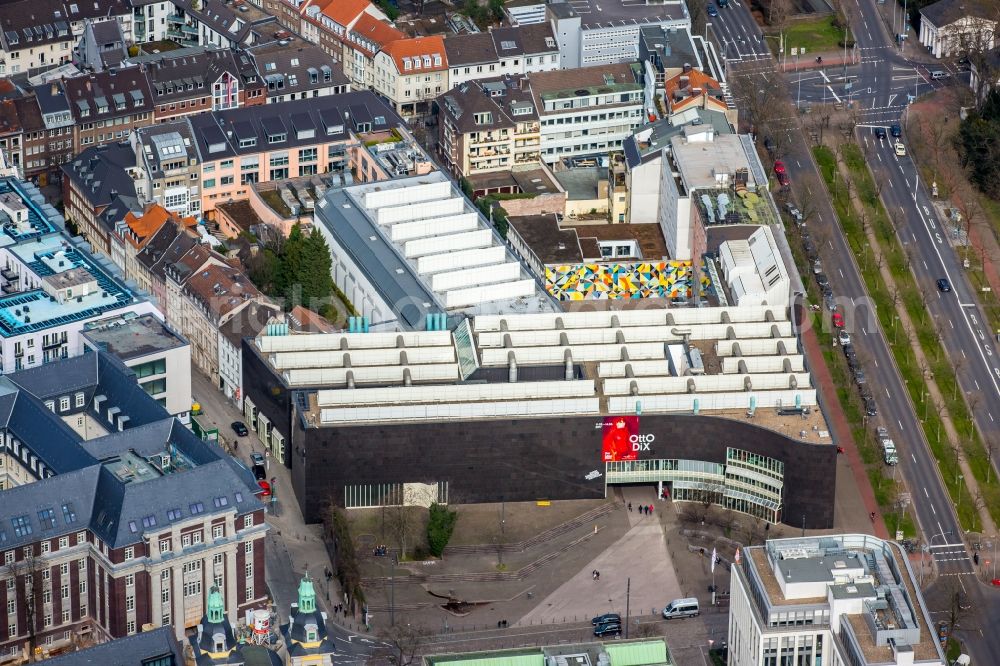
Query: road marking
x,y
863,330
990,414
967,305
925,487
933,510
887,394
976,382
841,273
952,323
915,460
875,361
879,156
901,427
963,354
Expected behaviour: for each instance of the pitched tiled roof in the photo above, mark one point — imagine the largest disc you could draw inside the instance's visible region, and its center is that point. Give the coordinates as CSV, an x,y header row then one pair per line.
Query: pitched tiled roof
x,y
221,289
99,173
471,49
141,648
946,12
145,224
416,48
109,94
377,32
344,12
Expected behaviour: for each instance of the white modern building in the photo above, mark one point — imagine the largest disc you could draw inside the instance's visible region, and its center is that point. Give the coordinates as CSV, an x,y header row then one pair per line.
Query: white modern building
x,y
836,600
753,269
611,34
159,356
587,111
407,248
51,285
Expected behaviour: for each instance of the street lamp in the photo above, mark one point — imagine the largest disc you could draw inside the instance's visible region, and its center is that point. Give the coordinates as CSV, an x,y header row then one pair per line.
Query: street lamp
x,y
926,549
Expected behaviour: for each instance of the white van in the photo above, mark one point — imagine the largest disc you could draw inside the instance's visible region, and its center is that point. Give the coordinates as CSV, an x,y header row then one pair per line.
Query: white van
x,y
680,608
938,74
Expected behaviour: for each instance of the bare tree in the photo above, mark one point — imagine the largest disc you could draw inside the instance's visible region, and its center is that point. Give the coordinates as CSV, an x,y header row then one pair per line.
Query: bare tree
x,y
402,524
27,572
991,445
403,644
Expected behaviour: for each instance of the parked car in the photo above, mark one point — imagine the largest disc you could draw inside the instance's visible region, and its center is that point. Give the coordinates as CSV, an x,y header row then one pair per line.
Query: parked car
x,y
609,629
859,377
826,290
896,130
829,301
712,11
882,432
843,337
870,408
880,133
817,267
838,320
265,488
794,211
681,608
822,280
240,429
943,285
259,472
257,459
606,619
781,173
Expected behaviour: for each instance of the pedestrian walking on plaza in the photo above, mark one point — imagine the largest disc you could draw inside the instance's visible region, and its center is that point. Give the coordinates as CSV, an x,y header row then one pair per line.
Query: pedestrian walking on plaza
x,y
597,575
650,509
630,507
594,574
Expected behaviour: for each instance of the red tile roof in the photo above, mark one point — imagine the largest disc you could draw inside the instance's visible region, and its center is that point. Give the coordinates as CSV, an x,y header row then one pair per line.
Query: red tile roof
x,y
343,12
378,32
416,48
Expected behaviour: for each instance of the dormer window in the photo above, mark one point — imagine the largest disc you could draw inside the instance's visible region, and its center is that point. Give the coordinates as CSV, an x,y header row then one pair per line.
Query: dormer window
x,y
407,65
437,60
427,61
276,138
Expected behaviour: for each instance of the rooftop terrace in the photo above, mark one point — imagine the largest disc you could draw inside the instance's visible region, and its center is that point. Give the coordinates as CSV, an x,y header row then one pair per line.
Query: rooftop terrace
x,y
133,337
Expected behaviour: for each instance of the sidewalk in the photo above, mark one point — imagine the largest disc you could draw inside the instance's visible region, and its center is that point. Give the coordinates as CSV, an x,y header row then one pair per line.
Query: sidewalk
x,y
292,546
840,428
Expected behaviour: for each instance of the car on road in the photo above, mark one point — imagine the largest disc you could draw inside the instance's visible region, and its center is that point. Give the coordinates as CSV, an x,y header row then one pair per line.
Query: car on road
x,y
938,74
712,11
608,629
827,291
838,320
943,285
265,488
859,377
822,280
880,133
781,173
900,149
829,301
240,428
896,130
606,619
843,337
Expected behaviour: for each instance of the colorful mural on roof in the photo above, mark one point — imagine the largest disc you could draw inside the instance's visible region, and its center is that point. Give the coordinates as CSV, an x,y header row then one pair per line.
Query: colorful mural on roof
x,y
665,279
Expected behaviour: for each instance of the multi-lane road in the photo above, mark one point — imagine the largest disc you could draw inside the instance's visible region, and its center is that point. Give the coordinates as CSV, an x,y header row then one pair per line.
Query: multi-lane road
x,y
879,85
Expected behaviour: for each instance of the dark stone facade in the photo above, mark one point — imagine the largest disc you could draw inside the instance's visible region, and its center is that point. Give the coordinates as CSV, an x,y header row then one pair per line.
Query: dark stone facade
x,y
535,459
518,460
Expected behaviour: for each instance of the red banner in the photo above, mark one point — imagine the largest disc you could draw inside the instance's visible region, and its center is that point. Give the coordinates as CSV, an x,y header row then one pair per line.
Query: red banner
x,y
619,434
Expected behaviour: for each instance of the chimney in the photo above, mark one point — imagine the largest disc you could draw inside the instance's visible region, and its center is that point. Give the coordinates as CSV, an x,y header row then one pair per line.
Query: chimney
x,y
687,67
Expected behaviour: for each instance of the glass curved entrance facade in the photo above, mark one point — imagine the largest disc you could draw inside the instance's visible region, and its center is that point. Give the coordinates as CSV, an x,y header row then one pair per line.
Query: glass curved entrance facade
x,y
748,482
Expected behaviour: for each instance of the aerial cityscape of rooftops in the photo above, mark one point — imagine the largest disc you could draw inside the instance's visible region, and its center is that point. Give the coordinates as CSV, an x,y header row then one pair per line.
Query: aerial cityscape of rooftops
x,y
499,332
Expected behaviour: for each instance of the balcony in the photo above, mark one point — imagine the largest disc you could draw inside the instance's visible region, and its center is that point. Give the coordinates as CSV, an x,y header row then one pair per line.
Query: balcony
x,y
9,273
55,344
9,288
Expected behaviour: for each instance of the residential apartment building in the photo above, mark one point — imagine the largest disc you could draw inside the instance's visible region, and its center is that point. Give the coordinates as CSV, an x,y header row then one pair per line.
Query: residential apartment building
x,y
489,125
289,139
209,297
102,45
149,20
363,41
294,69
247,323
54,138
91,182
163,248
36,36
218,23
134,231
834,600
130,524
107,105
51,285
168,167
501,52
200,78
412,72
587,111
11,136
